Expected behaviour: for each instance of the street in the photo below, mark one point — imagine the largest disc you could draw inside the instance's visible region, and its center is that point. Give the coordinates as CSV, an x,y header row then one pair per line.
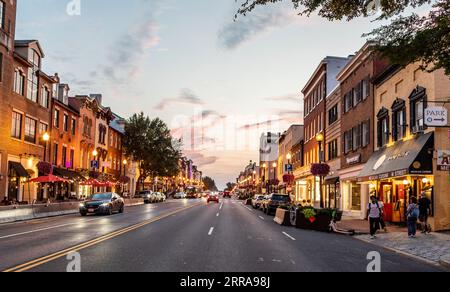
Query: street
x,y
186,236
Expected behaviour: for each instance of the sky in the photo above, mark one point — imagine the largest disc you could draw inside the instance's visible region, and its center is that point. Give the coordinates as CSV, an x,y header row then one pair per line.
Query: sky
x,y
218,83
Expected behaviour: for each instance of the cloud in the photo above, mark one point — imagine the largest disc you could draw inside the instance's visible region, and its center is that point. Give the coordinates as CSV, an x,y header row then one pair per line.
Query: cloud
x,y
185,97
201,159
258,22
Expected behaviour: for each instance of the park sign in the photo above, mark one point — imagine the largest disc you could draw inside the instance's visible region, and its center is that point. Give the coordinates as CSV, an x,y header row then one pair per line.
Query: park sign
x,y
436,116
443,162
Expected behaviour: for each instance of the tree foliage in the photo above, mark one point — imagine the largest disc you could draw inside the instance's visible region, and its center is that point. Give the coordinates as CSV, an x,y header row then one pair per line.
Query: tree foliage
x,y
210,184
150,143
405,40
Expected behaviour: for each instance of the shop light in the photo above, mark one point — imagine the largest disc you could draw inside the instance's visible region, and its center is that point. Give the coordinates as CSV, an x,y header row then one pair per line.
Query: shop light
x,y
425,180
406,182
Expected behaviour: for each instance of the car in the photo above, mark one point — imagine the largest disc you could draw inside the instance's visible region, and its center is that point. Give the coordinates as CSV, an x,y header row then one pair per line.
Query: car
x,y
212,198
180,195
103,203
148,196
160,197
274,201
257,200
227,194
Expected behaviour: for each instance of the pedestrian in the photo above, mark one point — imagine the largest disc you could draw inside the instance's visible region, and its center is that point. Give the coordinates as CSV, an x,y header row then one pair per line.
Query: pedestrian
x,y
382,222
373,215
425,212
412,215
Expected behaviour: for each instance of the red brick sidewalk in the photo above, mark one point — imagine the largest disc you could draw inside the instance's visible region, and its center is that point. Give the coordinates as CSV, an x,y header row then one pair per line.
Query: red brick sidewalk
x,y
362,226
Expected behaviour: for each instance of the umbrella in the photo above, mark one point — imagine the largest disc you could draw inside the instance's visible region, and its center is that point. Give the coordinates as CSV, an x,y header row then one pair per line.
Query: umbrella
x,y
90,182
47,179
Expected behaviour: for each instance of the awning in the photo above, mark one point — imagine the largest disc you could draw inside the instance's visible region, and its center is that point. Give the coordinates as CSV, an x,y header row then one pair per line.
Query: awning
x,y
19,169
413,156
68,174
331,181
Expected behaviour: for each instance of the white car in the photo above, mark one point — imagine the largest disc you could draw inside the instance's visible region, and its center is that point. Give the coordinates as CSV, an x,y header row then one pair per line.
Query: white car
x,y
180,195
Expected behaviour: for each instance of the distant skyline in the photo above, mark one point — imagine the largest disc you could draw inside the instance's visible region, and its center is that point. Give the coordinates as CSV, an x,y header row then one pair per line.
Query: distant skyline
x,y
218,83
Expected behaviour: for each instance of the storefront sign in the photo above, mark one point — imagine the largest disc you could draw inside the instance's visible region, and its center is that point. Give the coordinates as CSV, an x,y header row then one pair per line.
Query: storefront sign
x,y
443,162
354,159
436,116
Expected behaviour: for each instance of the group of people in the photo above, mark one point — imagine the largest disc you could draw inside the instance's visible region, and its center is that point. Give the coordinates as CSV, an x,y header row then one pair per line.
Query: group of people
x,y
418,210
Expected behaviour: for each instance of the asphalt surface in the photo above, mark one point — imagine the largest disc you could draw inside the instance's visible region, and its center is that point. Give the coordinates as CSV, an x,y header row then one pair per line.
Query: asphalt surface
x,y
225,237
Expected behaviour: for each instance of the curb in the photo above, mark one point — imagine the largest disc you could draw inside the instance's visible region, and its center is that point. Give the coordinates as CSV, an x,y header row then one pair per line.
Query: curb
x,y
424,260
445,261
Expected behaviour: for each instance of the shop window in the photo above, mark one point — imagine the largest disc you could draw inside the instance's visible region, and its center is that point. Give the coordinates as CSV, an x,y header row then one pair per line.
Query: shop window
x,y
398,120
357,138
383,127
356,197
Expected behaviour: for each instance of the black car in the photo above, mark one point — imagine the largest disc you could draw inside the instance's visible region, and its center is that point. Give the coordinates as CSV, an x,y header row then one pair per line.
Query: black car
x,y
274,201
104,203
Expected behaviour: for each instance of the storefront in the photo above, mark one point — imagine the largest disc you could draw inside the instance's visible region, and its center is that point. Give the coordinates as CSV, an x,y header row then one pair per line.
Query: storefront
x,y
354,195
396,174
332,192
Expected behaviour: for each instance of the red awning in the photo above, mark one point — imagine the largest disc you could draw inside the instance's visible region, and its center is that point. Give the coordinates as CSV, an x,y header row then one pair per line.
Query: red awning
x,y
48,179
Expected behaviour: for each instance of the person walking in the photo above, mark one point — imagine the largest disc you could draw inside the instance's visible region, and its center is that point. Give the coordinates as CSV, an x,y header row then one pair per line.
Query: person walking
x,y
425,212
374,214
412,215
382,222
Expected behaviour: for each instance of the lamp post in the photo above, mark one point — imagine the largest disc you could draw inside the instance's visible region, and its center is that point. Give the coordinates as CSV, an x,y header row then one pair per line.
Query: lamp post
x,y
45,138
289,158
274,165
320,138
125,162
264,166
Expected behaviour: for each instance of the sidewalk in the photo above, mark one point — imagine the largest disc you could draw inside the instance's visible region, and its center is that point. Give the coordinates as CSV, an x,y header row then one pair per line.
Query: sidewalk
x,y
434,247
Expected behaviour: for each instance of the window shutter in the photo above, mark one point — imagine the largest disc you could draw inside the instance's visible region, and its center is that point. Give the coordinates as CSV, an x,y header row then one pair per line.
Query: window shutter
x,y
379,132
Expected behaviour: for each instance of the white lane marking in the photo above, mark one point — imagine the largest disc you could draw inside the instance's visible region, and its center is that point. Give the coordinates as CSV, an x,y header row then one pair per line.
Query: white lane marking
x,y
261,217
211,231
249,209
221,206
218,214
287,235
44,229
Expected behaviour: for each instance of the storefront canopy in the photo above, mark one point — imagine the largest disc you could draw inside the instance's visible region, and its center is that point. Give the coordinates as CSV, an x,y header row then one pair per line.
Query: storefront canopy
x,y
19,169
68,174
411,157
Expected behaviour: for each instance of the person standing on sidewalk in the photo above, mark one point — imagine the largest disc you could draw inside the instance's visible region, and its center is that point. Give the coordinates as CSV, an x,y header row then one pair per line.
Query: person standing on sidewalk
x,y
374,215
412,215
425,212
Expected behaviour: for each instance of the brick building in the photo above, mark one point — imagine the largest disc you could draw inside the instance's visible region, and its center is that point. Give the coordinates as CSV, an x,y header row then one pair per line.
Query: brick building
x,y
357,127
319,86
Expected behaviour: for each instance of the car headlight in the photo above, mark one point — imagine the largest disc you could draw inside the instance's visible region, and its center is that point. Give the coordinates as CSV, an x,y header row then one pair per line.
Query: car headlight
x,y
82,205
105,205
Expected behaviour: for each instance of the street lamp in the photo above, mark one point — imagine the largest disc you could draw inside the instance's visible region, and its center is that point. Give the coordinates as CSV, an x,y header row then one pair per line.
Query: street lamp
x,y
320,138
125,162
45,138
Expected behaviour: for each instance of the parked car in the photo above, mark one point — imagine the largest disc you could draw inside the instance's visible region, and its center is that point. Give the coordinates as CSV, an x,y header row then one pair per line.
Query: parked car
x,y
148,196
257,200
180,195
103,203
274,201
160,197
227,194
214,197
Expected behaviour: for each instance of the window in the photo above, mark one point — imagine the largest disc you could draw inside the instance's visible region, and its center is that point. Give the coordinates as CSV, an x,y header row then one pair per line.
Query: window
x,y
64,156
55,154
348,141
333,150
365,88
56,119
418,102
73,126
383,127
30,130
357,137
348,102
2,15
365,133
19,82
333,115
32,90
66,123
398,120
16,128
72,157
43,128
45,99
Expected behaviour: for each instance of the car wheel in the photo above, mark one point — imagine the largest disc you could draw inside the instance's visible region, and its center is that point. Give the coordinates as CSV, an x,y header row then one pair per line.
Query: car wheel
x,y
110,211
121,209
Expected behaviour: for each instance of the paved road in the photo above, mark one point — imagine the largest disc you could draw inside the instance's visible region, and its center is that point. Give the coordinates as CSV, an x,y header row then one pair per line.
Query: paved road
x,y
228,237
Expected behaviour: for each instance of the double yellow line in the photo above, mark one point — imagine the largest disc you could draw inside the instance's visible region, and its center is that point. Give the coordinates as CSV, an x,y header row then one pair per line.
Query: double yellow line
x,y
40,261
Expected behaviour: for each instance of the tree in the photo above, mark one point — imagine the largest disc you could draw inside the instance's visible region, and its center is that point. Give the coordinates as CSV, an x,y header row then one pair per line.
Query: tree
x,y
210,184
150,143
230,186
405,40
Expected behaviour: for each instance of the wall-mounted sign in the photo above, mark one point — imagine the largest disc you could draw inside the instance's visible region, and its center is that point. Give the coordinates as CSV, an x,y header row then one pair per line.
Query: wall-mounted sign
x,y
354,159
289,167
443,162
94,164
436,116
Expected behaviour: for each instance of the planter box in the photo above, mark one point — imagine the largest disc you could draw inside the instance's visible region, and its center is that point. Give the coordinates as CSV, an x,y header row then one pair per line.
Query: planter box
x,y
282,217
321,223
